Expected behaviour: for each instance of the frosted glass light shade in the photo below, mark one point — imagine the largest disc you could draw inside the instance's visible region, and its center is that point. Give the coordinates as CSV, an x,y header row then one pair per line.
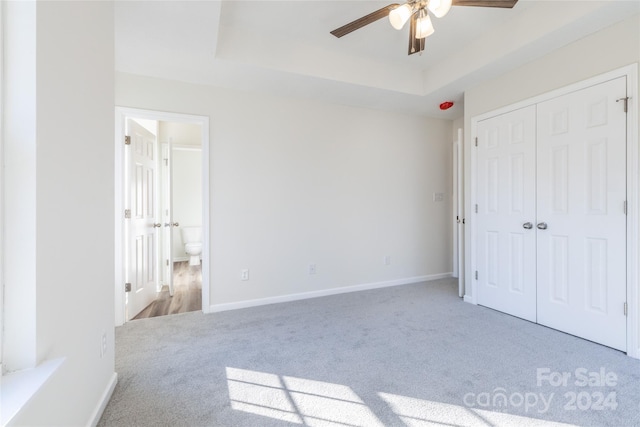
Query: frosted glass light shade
x,y
399,16
439,7
424,27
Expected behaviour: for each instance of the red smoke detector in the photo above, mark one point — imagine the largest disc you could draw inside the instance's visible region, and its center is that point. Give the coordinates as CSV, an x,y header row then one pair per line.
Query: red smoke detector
x,y
446,105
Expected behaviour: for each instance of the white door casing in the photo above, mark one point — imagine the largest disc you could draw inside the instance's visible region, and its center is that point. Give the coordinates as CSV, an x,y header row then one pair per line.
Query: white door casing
x,y
455,208
581,197
142,268
166,218
122,201
628,103
459,189
506,275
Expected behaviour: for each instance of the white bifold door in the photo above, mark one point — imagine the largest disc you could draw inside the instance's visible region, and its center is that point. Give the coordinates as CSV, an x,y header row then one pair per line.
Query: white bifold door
x,y
551,221
506,213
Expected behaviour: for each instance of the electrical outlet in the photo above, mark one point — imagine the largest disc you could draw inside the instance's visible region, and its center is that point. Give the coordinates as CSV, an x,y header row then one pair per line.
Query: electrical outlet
x,y
387,260
438,197
244,274
103,347
312,269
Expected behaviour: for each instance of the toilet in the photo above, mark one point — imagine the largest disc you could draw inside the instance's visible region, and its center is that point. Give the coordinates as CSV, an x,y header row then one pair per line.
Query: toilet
x,y
192,239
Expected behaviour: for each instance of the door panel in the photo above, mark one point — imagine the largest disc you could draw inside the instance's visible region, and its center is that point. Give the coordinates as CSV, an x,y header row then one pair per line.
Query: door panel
x,y
506,185
581,179
142,266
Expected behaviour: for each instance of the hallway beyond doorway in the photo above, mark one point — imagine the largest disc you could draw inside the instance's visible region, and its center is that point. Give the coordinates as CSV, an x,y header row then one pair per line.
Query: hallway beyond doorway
x,y
187,295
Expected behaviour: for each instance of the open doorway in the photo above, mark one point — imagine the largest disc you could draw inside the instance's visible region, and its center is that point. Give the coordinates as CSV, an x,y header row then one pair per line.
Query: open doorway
x,y
161,214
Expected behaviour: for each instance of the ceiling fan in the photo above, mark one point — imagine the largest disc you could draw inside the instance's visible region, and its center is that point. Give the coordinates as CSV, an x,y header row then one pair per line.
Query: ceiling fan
x,y
417,12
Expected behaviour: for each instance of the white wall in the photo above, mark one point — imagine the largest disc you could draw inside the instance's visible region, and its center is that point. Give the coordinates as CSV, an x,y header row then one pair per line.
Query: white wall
x,y
606,50
297,182
19,134
64,226
181,133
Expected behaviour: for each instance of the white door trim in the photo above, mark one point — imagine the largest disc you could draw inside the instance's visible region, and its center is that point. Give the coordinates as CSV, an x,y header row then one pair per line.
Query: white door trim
x,y
633,195
121,114
458,203
454,205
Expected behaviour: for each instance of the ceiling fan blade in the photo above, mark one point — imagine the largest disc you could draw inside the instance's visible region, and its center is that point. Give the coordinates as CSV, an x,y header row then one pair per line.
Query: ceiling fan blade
x,y
365,20
486,3
415,45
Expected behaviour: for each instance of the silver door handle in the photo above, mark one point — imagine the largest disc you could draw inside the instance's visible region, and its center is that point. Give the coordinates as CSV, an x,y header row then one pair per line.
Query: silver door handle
x,y
542,226
527,225
157,224
171,224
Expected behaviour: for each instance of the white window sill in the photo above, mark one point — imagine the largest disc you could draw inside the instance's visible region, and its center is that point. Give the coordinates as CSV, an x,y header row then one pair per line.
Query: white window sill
x,y
17,388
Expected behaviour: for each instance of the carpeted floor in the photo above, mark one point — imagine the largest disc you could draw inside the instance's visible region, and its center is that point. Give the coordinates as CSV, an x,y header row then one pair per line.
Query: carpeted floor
x,y
413,355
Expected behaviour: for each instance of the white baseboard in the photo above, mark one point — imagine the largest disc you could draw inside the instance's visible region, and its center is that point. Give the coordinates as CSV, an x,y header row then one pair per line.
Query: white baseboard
x,y
104,399
324,292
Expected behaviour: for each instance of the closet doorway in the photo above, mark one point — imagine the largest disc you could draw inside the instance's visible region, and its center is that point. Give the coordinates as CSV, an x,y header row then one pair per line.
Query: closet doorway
x,y
551,212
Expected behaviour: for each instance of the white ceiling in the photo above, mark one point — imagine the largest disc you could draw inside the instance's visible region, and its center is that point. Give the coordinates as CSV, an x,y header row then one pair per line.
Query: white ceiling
x,y
285,47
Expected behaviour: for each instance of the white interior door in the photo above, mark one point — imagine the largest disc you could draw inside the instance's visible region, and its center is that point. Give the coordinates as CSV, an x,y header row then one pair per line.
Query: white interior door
x,y
506,247
142,267
581,170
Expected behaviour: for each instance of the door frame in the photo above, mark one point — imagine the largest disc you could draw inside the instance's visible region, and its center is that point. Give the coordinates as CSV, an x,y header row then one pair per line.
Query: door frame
x,y
458,210
121,113
633,195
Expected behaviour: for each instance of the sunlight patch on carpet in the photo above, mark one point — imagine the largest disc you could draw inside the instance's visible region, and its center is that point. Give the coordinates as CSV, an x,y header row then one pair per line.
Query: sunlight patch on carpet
x,y
261,394
297,400
421,413
322,404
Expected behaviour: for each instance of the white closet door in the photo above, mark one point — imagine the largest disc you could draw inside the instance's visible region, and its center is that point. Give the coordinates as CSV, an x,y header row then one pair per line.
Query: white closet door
x,y
506,275
581,179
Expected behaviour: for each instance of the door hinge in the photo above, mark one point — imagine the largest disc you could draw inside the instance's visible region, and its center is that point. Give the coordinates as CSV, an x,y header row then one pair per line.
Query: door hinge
x,y
127,140
626,102
476,275
127,214
625,309
127,287
167,263
625,207
476,141
476,208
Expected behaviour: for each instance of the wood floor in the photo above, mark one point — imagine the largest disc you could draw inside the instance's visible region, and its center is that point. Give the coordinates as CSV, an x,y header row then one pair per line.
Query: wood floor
x,y
187,293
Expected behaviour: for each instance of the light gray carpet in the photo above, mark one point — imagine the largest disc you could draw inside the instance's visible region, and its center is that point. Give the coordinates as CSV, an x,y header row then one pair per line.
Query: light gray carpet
x,y
412,355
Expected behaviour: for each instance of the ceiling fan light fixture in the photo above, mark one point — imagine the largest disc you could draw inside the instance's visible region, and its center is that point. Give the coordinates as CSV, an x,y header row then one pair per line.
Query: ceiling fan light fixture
x,y
400,15
417,12
439,7
424,27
